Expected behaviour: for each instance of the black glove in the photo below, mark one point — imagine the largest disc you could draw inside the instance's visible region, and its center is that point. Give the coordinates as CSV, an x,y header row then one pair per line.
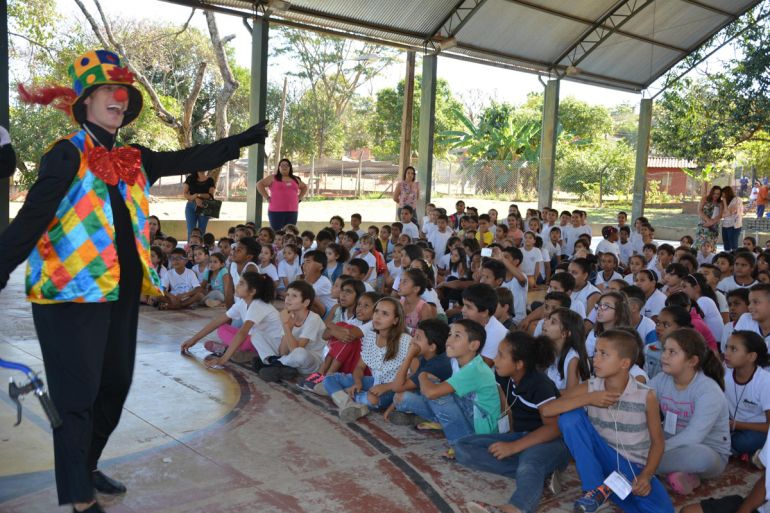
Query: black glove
x,y
254,135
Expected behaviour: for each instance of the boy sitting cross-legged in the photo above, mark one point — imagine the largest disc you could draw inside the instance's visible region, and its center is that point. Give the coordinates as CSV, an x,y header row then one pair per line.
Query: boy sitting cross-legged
x,y
611,425
427,353
181,285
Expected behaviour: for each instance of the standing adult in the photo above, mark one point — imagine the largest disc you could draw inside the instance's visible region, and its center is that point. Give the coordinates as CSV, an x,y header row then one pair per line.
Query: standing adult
x,y
198,186
709,210
762,195
407,191
83,231
732,220
286,192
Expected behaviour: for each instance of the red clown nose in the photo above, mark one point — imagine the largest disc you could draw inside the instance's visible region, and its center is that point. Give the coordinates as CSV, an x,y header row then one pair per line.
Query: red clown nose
x,y
120,95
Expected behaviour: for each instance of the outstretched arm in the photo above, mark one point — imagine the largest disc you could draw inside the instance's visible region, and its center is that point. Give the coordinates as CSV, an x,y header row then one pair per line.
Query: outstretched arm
x,y
200,157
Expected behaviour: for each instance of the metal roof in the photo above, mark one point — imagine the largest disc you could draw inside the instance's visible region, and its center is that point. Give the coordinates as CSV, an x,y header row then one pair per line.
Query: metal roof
x,y
624,44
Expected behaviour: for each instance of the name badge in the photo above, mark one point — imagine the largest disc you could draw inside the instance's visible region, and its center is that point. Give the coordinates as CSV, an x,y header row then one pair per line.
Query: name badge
x,y
669,425
503,424
618,484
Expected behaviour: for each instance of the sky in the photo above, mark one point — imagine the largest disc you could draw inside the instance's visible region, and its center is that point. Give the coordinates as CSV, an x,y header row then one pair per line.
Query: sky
x,y
464,78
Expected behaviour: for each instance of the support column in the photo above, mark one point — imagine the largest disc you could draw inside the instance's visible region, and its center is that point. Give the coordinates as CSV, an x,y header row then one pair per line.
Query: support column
x,y
548,136
427,127
5,185
642,152
257,112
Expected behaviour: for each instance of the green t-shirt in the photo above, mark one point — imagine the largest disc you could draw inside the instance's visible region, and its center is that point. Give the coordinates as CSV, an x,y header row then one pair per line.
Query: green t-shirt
x,y
477,380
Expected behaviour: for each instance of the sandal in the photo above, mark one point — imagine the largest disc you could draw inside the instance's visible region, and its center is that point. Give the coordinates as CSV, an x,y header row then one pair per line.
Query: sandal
x,y
428,426
449,455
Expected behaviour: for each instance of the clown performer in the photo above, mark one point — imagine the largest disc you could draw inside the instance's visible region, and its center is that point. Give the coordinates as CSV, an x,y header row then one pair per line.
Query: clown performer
x,y
84,233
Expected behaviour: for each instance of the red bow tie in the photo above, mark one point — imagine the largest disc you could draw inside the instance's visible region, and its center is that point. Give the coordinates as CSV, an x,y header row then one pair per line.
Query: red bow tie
x,y
124,163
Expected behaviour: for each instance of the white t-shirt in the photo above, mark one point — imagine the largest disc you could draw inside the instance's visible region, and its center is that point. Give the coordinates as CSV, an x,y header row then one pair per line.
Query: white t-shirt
x,y
550,250
312,329
323,291
583,294
606,246
729,284
439,240
431,296
750,401
411,230
645,327
519,293
570,234
444,260
711,316
722,302
269,270
236,276
705,259
764,457
530,258
591,343
655,303
553,371
394,271
747,323
637,371
176,283
289,271
626,252
601,281
266,319
372,261
495,333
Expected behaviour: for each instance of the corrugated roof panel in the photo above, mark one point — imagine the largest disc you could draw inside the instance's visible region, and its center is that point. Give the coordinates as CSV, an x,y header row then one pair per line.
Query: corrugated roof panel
x,y
674,22
733,6
502,26
589,9
622,57
421,16
350,27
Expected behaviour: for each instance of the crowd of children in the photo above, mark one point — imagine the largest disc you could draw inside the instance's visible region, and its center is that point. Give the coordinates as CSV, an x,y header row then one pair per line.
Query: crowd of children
x,y
645,363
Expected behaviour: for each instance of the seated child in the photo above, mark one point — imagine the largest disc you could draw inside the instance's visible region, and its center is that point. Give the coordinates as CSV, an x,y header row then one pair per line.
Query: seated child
x,y
468,402
589,416
737,305
504,307
383,351
747,387
302,344
260,329
288,268
181,286
212,281
479,305
695,409
201,261
533,448
412,285
570,365
266,265
427,353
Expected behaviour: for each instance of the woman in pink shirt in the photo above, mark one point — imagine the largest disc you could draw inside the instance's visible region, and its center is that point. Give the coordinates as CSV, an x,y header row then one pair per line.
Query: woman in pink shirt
x,y
407,191
285,193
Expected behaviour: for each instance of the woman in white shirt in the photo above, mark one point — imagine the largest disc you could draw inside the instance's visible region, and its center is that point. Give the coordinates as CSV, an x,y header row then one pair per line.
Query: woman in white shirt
x,y
698,290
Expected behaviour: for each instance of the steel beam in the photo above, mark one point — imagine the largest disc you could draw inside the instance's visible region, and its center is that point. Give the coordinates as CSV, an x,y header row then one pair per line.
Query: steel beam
x,y
642,152
548,136
257,112
455,20
5,185
427,127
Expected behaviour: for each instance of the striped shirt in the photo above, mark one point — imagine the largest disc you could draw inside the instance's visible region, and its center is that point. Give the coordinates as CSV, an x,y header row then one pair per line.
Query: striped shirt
x,y
624,425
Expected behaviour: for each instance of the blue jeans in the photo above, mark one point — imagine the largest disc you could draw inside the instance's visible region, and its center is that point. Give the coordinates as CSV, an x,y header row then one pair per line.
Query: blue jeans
x,y
747,442
280,219
455,414
338,381
529,468
760,211
194,220
595,460
731,238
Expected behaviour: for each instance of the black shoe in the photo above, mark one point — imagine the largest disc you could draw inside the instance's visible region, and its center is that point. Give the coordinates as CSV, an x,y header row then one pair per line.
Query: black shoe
x,y
257,364
287,373
105,484
93,508
271,373
274,360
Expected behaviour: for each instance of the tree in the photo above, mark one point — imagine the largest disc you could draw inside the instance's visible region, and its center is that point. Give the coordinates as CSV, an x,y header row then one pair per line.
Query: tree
x,y
595,169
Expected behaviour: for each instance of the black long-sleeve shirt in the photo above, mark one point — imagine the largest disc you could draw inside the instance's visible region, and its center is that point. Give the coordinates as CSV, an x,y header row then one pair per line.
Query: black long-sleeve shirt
x,y
7,161
57,170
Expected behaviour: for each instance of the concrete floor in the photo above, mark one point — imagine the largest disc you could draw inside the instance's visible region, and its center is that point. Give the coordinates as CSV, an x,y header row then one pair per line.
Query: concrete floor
x,y
196,440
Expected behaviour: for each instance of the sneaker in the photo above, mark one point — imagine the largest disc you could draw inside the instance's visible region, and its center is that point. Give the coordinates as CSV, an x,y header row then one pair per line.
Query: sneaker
x,y
309,383
683,483
215,348
756,460
320,389
556,481
400,418
353,411
213,303
592,500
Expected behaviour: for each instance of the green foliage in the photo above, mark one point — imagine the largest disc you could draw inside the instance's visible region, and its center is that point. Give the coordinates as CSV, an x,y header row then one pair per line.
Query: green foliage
x,y
581,169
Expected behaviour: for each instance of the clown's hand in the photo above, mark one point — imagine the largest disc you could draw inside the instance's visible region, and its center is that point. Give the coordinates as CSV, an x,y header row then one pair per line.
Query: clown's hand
x,y
5,137
254,135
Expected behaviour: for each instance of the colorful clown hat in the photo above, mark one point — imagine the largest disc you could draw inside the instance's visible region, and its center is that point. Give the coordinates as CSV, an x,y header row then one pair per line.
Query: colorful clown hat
x,y
97,68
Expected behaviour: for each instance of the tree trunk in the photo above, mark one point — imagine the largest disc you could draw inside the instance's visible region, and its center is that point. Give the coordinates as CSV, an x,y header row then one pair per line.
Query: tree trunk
x,y
229,84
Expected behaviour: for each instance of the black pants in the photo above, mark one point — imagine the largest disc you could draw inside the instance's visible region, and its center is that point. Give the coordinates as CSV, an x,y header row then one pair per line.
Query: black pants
x,y
88,352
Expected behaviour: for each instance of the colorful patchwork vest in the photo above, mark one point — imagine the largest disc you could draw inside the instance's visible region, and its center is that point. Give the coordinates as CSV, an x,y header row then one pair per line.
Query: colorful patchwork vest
x,y
76,259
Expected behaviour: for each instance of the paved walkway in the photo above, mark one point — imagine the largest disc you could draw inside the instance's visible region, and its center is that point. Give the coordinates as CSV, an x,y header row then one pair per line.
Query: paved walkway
x,y
193,440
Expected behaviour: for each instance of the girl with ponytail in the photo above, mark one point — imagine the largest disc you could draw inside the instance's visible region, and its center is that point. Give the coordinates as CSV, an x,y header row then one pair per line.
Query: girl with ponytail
x,y
534,440
694,406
